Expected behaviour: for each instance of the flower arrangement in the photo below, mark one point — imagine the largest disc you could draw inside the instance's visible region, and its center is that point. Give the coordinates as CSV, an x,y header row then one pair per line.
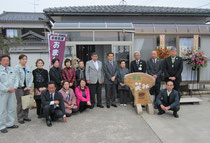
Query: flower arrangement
x,y
196,58
162,53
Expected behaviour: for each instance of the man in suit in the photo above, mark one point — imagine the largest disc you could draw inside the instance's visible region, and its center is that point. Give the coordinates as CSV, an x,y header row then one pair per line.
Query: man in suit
x,y
154,68
53,104
111,71
168,99
173,67
138,65
95,77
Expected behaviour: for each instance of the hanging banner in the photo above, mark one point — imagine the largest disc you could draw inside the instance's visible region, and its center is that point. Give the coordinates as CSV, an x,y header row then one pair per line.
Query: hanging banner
x,y
56,44
162,41
195,42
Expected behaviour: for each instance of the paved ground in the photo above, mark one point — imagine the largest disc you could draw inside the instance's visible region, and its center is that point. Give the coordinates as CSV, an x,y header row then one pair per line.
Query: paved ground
x,y
119,125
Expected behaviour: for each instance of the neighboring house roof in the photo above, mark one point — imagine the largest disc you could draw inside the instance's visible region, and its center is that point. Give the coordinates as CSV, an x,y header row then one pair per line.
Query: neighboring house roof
x,y
125,10
23,16
29,33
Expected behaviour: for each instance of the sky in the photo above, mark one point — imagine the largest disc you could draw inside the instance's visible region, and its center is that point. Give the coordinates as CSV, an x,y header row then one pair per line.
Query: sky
x,y
28,5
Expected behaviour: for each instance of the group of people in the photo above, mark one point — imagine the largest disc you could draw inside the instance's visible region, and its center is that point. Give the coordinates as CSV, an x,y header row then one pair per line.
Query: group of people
x,y
62,92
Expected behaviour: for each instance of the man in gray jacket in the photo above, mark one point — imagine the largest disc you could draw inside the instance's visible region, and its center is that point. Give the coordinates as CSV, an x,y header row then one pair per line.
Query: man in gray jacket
x,y
154,68
110,79
95,78
8,84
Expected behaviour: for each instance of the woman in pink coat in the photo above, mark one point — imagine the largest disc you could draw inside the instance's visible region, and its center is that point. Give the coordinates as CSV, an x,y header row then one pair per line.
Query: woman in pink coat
x,y
83,96
69,99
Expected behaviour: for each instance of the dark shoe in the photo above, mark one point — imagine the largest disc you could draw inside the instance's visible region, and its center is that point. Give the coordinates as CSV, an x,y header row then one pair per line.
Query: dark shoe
x,y
68,115
4,130
49,124
21,122
108,106
101,106
40,116
27,120
13,127
176,115
92,106
114,105
161,112
155,107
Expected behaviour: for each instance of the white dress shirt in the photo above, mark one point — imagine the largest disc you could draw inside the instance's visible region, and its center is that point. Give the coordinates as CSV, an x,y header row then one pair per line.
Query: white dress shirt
x,y
95,64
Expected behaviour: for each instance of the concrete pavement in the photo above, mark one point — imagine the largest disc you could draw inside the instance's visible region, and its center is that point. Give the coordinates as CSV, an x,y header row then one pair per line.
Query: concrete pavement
x,y
119,125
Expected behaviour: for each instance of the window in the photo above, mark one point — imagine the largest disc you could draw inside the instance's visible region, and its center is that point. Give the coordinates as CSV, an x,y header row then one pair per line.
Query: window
x,y
112,36
79,36
122,53
12,33
145,46
185,44
169,42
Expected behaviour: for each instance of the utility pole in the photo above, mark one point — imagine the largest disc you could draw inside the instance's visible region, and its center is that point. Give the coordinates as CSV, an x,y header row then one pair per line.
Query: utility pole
x,y
123,2
35,4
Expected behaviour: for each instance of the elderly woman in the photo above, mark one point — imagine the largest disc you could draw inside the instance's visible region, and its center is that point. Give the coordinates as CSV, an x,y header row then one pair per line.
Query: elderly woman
x,y
40,83
69,99
123,89
83,96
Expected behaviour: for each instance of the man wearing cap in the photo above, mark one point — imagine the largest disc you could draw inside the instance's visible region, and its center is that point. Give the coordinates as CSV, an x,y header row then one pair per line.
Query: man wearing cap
x,y
173,67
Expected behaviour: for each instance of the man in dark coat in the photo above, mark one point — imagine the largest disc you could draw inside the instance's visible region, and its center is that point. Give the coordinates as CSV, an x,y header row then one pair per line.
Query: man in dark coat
x,y
110,79
53,104
168,99
137,65
173,67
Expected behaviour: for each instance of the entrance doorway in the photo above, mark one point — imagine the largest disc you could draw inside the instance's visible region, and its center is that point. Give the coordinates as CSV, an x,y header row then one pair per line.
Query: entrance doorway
x,y
84,51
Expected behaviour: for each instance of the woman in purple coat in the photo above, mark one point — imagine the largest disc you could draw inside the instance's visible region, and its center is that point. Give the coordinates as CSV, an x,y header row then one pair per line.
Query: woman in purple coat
x,y
69,99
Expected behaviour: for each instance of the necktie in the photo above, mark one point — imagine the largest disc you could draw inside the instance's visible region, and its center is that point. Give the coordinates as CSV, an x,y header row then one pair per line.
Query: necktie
x,y
154,61
173,60
168,96
6,70
51,97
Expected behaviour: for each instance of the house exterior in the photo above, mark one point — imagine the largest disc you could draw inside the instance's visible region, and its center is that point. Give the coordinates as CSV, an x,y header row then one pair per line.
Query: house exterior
x,y
32,28
124,29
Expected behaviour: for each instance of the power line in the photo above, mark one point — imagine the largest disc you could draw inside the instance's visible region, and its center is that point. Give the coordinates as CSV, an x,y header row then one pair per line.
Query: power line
x,y
203,5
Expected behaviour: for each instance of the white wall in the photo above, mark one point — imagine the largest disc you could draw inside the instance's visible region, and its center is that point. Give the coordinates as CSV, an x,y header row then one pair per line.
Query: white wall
x,y
32,57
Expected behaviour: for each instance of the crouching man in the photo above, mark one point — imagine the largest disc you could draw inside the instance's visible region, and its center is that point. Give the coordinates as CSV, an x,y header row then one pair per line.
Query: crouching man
x,y
53,104
168,99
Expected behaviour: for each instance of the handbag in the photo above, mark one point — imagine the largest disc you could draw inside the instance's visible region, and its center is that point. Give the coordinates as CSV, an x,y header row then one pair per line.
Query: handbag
x,y
27,101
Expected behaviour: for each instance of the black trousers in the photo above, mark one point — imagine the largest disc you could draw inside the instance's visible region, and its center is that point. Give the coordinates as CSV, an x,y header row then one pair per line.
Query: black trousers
x,y
155,90
52,113
95,89
175,109
110,88
123,96
73,111
39,109
83,106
